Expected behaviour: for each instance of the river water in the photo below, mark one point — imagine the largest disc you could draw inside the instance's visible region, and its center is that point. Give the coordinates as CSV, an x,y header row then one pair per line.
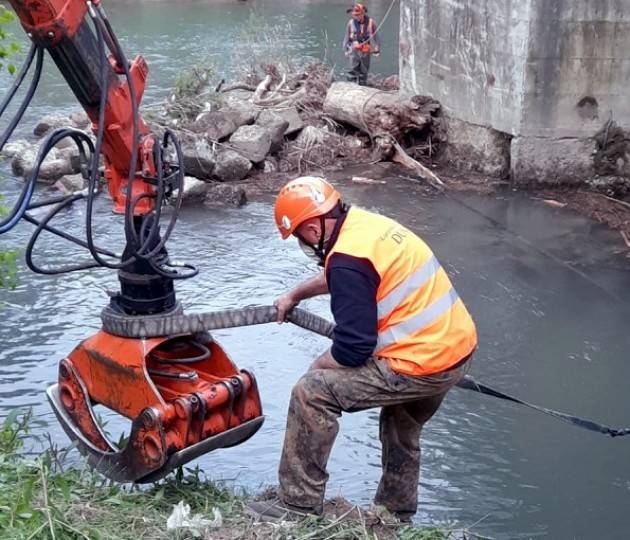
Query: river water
x,y
545,286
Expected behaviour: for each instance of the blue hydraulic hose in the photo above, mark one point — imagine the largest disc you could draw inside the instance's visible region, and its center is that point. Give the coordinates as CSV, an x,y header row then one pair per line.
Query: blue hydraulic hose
x,y
21,206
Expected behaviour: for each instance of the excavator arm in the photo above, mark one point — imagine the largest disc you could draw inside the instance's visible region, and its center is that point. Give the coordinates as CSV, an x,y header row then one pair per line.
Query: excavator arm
x,y
62,27
183,394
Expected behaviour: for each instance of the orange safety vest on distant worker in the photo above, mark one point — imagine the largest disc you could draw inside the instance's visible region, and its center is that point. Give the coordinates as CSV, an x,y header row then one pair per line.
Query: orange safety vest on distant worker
x,y
362,33
423,325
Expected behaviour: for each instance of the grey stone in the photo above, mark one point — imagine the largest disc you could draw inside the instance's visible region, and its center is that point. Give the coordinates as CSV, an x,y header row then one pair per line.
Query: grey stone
x,y
216,125
289,114
66,143
253,142
70,183
277,127
199,158
236,97
242,113
51,121
225,194
80,120
194,190
230,165
270,164
614,186
55,169
477,148
54,166
542,161
72,155
15,147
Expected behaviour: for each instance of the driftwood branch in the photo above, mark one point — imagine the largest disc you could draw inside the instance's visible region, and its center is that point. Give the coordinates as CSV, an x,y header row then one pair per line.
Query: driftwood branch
x,y
402,158
387,116
262,88
238,86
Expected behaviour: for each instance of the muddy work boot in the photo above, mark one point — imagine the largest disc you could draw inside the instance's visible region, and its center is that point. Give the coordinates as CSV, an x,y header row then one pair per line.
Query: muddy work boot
x,y
277,509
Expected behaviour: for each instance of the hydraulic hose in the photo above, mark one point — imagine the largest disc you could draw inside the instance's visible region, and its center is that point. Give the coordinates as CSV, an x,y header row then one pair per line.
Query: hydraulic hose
x,y
176,322
18,80
24,198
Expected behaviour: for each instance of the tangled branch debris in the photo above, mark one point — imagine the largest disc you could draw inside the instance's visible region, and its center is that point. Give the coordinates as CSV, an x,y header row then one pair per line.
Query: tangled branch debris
x,y
311,121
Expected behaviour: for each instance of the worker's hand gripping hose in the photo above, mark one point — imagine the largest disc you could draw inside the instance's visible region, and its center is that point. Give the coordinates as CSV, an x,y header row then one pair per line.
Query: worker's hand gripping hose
x,y
177,322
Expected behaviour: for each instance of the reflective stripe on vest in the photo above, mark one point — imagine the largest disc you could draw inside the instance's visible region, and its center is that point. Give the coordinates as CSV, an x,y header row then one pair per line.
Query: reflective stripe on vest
x,y
423,326
414,324
407,287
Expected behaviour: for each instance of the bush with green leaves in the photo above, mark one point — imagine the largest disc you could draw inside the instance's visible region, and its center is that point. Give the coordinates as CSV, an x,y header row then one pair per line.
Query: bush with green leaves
x,y
8,47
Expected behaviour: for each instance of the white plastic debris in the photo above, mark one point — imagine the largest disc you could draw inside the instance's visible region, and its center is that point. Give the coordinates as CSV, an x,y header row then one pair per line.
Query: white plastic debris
x,y
198,525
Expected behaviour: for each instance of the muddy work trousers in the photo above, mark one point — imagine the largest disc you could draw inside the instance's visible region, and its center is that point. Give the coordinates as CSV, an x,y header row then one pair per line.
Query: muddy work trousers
x,y
359,67
318,400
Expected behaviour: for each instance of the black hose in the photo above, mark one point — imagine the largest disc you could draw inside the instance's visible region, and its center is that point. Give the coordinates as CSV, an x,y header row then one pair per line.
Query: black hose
x,y
19,208
40,227
65,235
19,79
169,135
93,177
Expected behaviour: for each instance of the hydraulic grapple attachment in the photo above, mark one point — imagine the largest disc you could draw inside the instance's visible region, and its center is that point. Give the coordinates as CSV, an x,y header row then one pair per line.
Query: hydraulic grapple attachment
x,y
185,398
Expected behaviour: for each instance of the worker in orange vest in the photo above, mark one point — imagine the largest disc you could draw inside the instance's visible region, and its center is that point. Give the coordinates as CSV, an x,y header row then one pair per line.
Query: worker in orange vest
x,y
360,42
403,339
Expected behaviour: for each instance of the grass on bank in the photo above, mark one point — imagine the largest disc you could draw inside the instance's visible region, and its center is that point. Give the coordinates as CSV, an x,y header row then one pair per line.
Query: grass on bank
x,y
41,498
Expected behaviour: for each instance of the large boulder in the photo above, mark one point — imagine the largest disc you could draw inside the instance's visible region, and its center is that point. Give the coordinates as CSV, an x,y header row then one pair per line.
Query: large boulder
x,y
242,113
289,114
80,120
70,183
54,166
194,190
277,127
230,165
216,125
51,121
253,142
15,147
199,158
225,194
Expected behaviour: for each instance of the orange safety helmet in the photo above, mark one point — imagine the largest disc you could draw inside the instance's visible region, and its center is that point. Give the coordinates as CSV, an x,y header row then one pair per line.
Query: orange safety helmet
x,y
357,10
301,199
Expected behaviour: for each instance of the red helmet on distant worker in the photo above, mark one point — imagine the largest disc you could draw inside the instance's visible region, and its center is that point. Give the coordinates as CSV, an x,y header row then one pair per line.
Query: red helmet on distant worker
x,y
302,199
357,10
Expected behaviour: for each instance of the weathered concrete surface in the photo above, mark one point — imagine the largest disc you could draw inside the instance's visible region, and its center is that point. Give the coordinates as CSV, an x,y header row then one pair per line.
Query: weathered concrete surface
x,y
477,148
541,71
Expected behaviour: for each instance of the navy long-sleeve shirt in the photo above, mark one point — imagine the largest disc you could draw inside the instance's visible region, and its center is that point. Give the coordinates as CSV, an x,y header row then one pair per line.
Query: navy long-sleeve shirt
x,y
353,282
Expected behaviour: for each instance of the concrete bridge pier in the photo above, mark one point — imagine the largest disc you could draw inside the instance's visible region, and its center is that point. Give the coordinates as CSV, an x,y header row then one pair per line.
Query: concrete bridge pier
x,y
537,90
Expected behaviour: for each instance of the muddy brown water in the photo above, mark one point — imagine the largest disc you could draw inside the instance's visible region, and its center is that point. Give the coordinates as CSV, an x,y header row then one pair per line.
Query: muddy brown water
x,y
548,293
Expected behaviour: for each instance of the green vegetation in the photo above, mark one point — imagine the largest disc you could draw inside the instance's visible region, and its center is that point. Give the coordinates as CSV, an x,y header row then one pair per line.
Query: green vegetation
x,y
7,49
43,498
7,258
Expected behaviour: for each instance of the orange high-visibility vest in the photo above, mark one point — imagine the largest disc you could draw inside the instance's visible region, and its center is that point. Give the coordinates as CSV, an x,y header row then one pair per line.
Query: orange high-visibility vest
x,y
362,33
423,325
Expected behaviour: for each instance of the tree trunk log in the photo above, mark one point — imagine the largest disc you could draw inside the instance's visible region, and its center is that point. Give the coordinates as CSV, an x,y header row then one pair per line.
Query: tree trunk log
x,y
379,112
386,116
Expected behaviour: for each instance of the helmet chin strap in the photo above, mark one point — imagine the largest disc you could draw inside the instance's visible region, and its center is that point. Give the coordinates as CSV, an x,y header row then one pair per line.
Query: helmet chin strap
x,y
320,249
